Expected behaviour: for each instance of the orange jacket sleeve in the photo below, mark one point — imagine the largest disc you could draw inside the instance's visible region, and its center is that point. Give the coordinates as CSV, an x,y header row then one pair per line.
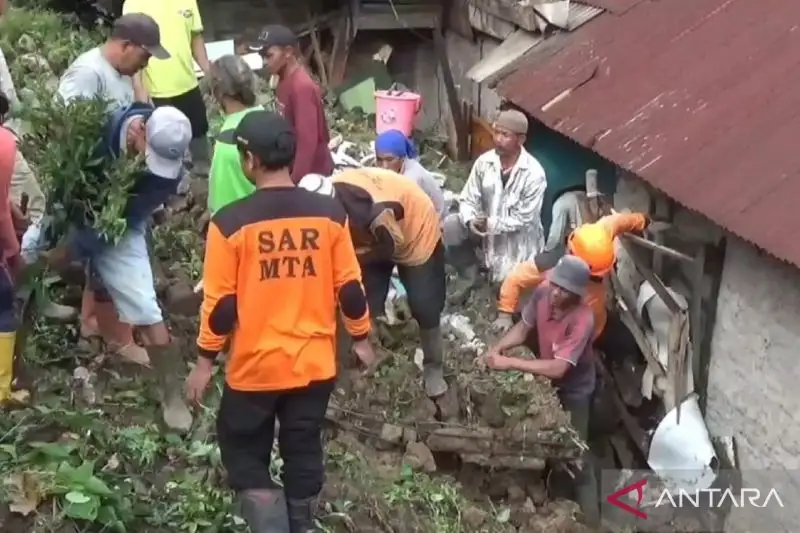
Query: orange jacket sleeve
x,y
218,314
618,223
387,231
524,276
347,283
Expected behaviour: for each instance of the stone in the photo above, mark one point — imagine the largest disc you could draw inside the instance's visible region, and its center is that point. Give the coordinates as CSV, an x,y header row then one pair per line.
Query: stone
x,y
419,457
449,405
392,433
474,517
516,493
409,435
198,191
492,414
182,300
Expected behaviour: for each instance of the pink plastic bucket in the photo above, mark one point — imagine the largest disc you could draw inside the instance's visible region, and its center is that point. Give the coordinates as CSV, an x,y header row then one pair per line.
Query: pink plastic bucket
x,y
396,110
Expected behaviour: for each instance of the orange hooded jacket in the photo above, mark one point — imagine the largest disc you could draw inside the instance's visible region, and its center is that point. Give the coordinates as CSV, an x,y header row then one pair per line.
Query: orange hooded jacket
x,y
528,276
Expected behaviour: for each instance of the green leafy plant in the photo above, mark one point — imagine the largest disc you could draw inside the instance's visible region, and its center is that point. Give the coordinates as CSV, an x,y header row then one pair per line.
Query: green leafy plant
x,y
83,186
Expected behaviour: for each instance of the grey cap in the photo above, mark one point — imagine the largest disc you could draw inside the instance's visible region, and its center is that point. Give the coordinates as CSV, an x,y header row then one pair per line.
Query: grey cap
x,y
572,274
513,120
141,30
169,133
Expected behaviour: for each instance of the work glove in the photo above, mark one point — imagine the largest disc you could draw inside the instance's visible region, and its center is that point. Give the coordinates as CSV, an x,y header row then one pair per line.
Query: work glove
x,y
502,323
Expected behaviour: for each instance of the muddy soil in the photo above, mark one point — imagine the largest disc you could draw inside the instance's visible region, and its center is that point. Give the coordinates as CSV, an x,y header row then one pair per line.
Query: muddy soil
x,y
491,418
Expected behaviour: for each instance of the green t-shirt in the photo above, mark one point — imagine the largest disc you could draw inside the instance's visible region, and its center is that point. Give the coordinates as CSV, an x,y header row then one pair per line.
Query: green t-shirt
x,y
227,182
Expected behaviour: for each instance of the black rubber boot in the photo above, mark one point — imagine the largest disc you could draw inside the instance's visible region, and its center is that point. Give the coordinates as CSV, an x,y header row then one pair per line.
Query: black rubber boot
x,y
301,515
264,510
464,260
433,362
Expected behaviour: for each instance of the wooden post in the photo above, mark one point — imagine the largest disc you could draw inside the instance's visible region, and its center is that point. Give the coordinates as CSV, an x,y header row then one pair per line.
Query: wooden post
x,y
593,194
453,102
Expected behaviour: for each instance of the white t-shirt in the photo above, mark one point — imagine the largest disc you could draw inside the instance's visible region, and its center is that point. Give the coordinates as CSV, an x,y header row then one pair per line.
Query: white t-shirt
x,y
91,75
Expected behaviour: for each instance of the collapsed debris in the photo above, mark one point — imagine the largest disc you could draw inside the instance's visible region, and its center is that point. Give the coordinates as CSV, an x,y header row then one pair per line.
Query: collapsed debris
x,y
501,420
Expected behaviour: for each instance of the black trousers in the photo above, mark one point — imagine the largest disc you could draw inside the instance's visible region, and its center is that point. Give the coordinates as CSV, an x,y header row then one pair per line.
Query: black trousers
x,y
425,287
192,105
246,430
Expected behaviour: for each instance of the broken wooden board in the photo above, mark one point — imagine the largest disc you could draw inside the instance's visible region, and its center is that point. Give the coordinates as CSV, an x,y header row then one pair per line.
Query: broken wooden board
x,y
504,57
517,13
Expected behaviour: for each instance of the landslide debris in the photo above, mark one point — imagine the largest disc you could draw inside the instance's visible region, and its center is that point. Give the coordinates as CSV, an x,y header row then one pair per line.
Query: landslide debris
x,y
85,454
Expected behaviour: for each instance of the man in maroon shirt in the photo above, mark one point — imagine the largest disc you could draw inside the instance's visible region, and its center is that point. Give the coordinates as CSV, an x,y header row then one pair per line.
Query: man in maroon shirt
x,y
299,100
558,326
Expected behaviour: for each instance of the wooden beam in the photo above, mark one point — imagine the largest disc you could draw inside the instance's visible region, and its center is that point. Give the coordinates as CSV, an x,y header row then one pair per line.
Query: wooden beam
x,y
343,36
637,434
629,320
423,17
461,126
523,15
713,267
317,54
657,248
654,280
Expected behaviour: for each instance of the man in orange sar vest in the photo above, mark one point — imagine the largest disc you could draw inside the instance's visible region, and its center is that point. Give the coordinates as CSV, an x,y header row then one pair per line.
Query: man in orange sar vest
x,y
594,243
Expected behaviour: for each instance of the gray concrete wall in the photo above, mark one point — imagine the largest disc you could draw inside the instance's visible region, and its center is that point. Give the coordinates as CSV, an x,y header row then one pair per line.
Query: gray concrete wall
x,y
754,381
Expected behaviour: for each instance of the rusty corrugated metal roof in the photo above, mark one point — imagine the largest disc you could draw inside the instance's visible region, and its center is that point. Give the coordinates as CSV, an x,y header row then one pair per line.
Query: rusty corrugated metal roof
x,y
698,97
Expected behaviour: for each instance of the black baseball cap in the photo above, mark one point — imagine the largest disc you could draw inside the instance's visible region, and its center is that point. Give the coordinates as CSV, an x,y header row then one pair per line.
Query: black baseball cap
x,y
141,30
274,35
266,134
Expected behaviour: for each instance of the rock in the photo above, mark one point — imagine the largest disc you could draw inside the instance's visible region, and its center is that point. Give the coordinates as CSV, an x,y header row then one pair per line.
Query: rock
x,y
450,405
409,435
177,204
391,433
474,517
425,410
537,492
492,414
198,191
419,457
182,300
202,223
529,507
516,493
497,486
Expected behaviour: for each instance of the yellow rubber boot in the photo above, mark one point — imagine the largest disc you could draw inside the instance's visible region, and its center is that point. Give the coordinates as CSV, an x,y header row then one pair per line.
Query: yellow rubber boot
x,y
7,340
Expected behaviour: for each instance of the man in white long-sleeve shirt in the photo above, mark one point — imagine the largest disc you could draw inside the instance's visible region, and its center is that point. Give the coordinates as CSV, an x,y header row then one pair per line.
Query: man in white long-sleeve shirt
x,y
499,208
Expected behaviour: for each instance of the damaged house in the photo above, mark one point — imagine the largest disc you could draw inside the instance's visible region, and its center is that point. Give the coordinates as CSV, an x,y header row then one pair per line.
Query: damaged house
x,y
688,100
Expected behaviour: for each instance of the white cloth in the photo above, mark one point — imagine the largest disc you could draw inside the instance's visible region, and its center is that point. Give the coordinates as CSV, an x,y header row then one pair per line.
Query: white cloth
x,y
567,216
513,211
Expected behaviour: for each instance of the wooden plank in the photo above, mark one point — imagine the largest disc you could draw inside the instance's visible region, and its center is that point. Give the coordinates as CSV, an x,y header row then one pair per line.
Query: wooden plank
x,y
460,124
523,16
457,21
489,24
635,431
421,17
317,55
480,136
508,53
629,320
343,36
648,275
658,249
